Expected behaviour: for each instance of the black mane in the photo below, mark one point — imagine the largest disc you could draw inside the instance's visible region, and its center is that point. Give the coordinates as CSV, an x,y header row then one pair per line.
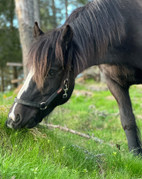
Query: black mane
x,y
95,26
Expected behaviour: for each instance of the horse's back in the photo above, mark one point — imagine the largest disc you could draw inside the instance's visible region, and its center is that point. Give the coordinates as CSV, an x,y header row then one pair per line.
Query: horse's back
x,y
129,51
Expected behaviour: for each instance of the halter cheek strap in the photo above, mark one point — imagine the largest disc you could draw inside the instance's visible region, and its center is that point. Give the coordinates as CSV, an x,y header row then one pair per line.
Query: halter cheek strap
x,y
45,104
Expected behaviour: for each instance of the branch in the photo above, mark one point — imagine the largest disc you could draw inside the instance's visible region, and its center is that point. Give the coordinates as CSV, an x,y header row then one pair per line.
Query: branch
x,y
78,133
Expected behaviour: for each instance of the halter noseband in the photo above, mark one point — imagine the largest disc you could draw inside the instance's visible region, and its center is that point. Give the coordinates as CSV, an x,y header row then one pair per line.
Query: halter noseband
x,y
43,105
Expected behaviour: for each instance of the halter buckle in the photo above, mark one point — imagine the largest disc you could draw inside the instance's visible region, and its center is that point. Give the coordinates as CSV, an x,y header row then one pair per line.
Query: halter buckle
x,y
43,106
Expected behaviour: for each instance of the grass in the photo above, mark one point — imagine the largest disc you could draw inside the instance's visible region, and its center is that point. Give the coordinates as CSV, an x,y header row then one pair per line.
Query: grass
x,y
42,153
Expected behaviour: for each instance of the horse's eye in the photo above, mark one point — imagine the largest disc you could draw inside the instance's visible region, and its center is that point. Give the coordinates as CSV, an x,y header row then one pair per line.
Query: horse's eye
x,y
52,72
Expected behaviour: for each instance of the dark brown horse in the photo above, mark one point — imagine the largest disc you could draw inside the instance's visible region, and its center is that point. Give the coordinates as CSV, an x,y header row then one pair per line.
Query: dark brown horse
x,y
107,33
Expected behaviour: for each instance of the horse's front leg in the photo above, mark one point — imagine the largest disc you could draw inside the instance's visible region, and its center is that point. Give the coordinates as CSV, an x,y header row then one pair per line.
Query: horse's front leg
x,y
121,94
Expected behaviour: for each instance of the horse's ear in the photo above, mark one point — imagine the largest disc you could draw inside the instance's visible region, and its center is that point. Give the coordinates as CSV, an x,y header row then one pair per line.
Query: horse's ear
x,y
37,30
67,36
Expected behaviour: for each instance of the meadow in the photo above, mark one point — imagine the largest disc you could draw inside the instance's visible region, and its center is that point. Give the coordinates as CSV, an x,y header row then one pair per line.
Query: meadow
x,y
47,153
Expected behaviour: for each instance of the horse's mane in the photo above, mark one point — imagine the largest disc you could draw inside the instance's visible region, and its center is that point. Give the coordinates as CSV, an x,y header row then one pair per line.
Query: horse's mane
x,y
95,26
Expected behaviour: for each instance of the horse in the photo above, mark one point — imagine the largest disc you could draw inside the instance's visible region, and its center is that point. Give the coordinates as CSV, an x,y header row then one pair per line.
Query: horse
x,y
106,33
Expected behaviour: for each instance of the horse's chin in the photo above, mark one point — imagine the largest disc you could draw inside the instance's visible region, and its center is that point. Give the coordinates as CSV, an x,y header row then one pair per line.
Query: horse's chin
x,y
45,113
29,126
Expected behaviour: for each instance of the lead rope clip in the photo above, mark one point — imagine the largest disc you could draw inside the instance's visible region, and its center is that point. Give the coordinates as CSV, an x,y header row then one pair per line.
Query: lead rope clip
x,y
66,88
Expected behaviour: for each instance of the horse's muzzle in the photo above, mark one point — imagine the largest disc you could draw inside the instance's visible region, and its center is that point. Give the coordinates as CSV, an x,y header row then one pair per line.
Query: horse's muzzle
x,y
9,123
13,123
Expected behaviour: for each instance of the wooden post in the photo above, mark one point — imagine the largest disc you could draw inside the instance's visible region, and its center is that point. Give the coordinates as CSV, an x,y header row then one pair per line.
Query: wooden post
x,y
2,80
15,79
15,76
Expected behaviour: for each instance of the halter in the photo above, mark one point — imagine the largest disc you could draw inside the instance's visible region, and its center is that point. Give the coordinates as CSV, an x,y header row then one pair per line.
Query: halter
x,y
43,105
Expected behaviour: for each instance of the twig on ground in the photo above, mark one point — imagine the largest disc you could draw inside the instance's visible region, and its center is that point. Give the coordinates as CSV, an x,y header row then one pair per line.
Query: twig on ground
x,y
78,133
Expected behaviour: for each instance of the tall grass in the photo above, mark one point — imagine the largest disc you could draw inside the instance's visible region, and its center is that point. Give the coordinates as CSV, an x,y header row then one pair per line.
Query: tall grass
x,y
46,153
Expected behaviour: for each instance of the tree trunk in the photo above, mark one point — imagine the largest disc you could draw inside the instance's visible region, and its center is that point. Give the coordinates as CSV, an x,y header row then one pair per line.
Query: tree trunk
x,y
66,7
11,13
25,13
36,11
54,14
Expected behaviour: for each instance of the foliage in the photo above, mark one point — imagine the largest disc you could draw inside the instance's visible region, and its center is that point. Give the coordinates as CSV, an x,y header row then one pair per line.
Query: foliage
x,y
10,49
52,15
9,38
45,153
49,20
9,46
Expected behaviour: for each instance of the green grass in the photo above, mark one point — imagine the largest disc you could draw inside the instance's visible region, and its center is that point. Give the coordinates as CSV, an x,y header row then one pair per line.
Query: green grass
x,y
46,153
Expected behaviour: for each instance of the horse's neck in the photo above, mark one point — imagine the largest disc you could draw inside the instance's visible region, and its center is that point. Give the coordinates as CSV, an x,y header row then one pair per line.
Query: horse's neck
x,y
95,26
87,62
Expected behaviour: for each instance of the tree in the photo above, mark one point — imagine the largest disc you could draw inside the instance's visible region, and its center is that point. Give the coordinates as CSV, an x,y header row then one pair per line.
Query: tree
x,y
54,13
10,49
49,14
26,18
66,8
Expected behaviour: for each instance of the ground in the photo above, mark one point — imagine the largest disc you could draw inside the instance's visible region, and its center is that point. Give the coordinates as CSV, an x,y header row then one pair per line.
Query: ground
x,y
44,153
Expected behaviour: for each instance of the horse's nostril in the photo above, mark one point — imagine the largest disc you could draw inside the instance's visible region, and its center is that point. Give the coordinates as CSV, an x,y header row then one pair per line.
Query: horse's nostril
x,y
17,118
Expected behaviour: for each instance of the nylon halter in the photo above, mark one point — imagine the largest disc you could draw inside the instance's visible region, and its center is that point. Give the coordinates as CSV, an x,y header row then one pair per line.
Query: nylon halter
x,y
44,105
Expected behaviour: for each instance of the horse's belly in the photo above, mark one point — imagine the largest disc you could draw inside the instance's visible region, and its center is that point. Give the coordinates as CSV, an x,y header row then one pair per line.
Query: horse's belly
x,y
123,75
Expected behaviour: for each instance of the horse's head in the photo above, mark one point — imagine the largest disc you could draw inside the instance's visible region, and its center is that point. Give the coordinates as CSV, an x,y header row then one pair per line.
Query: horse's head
x,y
50,81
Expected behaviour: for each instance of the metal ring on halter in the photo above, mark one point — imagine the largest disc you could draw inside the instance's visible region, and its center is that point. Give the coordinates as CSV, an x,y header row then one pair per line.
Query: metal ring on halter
x,y
43,106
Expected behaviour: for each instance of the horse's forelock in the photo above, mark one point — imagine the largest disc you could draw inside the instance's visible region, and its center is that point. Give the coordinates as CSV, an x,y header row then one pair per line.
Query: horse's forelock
x,y
41,55
38,61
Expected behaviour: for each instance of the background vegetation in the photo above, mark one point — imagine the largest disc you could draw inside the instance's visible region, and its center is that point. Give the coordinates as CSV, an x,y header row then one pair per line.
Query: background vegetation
x,y
52,14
